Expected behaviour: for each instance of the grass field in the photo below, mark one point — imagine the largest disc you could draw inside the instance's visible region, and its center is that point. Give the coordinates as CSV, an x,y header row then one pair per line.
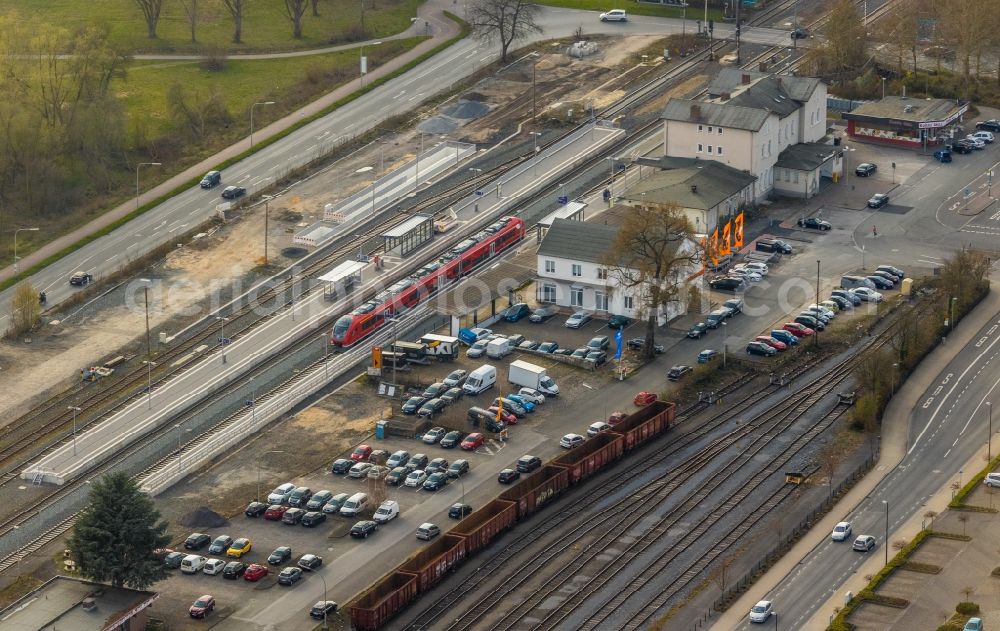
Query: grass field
x,y
289,82
266,26
695,11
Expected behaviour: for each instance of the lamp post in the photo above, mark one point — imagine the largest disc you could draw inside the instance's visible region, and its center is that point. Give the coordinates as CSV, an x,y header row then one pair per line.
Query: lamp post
x,y
222,335
775,620
883,88
951,322
75,410
326,354
534,168
325,626
989,437
15,243
137,167
416,164
145,294
611,184
895,367
251,117
885,544
149,384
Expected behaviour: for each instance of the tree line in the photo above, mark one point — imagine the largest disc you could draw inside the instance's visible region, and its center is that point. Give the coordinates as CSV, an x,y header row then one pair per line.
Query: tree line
x,y
294,9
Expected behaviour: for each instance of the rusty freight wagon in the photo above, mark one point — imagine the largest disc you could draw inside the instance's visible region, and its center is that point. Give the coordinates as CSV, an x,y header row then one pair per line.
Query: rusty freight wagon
x,y
383,600
593,455
432,562
646,423
537,490
485,524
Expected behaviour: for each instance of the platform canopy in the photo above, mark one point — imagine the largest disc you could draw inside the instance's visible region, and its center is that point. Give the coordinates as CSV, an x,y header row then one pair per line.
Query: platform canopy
x,y
343,270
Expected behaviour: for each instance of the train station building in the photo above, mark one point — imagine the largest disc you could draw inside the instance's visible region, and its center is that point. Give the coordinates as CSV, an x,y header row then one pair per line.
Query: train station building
x,y
903,121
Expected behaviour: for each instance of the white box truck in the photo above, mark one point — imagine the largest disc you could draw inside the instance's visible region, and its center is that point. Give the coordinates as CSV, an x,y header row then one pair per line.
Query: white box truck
x,y
442,346
498,348
531,376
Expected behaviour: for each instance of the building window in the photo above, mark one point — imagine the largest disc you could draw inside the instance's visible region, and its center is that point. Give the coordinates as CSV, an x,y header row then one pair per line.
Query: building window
x,y
710,129
577,270
701,128
548,293
602,273
628,302
710,149
718,150
550,267
576,296
720,131
795,177
700,148
600,301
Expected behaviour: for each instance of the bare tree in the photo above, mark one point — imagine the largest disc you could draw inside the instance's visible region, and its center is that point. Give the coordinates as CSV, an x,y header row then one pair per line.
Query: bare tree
x,y
295,9
315,7
191,11
651,258
963,519
503,20
842,52
235,8
721,574
829,459
25,309
151,13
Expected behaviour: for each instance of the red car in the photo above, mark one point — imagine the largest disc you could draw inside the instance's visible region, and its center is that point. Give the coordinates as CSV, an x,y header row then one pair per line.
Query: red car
x,y
616,418
777,345
361,453
798,330
202,606
255,572
275,512
506,417
473,441
644,398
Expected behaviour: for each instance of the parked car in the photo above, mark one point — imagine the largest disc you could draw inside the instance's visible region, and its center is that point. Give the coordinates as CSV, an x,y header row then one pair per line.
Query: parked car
x,y
280,555
473,441
413,404
797,329
777,345
865,169
814,223
697,330
727,283
529,345
451,440
436,465
213,567
616,417
220,545
868,295
436,481
435,390
415,478
275,512
811,322
172,560
515,339
255,572
841,531
240,547
334,505
234,570
427,531
598,428
992,479
202,606
310,562
787,337
880,282
432,407
973,624
193,563
361,452
459,510
799,33
255,509
676,372
360,470
639,343
644,398
530,394
578,319
707,355
992,125
734,305
569,441
508,476
548,347
864,543
962,146
760,348
363,529
341,466
614,15
386,512
985,136
300,496
618,322
293,516
398,459
452,394
516,312
477,350
455,378
542,314
715,319
323,609
197,541
289,576
313,518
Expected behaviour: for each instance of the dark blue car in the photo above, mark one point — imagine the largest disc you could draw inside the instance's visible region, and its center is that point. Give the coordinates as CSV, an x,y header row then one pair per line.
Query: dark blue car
x,y
516,312
784,336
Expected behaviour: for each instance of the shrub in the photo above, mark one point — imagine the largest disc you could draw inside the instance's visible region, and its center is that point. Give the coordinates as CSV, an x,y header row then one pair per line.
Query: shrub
x,y
967,608
949,627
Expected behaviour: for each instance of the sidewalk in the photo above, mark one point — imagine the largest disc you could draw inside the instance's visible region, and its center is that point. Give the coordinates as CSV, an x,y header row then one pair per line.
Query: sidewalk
x,y
442,29
894,441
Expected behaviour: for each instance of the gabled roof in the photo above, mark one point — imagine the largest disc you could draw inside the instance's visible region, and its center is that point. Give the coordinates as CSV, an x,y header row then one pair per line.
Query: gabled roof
x,y
731,80
726,115
577,240
806,156
767,93
703,184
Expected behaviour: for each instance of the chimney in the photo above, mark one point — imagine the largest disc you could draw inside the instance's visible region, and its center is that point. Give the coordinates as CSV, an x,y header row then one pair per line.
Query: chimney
x,y
725,96
745,79
696,111
694,188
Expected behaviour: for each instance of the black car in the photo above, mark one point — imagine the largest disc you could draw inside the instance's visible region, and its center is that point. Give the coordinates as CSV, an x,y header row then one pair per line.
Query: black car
x,y
436,481
760,348
396,476
432,407
292,516
280,555
416,461
992,125
639,343
233,192
220,545
495,426
516,312
677,372
313,519
458,468
323,609
697,331
814,223
799,33
342,466
438,464
300,496
548,347
865,169
726,283
363,528
458,511
880,282
289,576
173,560
255,509
212,178
962,146
317,501
528,463
413,404
452,395
234,569
843,303
735,305
810,322
508,476
434,390
310,562
878,200
451,440
197,541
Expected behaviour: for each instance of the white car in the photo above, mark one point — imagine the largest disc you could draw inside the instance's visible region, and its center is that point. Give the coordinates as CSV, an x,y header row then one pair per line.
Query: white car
x,y
827,313
868,295
830,305
597,428
416,478
192,563
757,266
280,494
992,479
481,333
985,136
978,143
841,531
761,612
388,511
571,440
213,566
747,275
614,15
532,395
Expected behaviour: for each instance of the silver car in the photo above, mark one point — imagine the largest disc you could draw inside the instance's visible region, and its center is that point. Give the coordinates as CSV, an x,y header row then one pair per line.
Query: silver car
x,y
578,319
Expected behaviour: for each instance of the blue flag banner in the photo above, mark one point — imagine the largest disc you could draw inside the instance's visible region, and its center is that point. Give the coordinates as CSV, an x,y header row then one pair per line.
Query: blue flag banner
x,y
618,344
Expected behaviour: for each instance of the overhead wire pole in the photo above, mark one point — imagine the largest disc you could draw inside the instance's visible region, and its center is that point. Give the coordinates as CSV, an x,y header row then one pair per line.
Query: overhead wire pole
x,y
816,332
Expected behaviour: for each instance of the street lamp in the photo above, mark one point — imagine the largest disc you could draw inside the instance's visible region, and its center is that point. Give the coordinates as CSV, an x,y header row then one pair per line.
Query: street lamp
x,y
885,544
989,437
75,410
951,323
149,384
137,167
895,367
251,118
15,243
222,335
534,157
775,614
145,294
611,184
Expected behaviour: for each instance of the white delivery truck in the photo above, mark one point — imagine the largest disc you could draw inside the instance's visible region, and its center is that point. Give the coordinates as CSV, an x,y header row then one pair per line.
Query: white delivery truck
x,y
441,346
498,348
531,376
480,380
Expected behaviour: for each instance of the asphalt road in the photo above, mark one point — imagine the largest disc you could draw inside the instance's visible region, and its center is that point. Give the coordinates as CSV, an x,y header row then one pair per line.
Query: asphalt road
x,y
255,173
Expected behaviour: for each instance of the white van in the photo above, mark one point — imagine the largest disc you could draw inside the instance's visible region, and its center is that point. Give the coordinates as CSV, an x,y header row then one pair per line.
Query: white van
x,y
193,563
356,504
480,380
498,348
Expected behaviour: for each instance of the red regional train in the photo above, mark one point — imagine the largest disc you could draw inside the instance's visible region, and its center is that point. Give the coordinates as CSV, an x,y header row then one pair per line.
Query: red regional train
x,y
411,291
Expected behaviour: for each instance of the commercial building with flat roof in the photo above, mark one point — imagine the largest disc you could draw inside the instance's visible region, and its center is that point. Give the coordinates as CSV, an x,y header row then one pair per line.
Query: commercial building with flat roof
x,y
70,603
904,121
